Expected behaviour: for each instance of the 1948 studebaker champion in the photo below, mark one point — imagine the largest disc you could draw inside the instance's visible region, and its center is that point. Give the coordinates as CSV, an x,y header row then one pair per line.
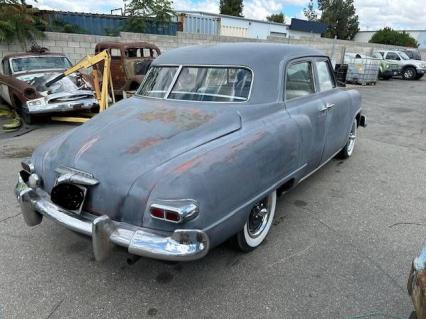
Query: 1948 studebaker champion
x,y
198,155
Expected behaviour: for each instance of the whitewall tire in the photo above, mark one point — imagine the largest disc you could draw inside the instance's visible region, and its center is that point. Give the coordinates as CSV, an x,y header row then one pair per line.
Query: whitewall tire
x,y
258,224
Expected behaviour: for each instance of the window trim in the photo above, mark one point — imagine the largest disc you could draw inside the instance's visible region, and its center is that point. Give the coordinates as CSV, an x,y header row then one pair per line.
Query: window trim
x,y
178,71
297,61
330,70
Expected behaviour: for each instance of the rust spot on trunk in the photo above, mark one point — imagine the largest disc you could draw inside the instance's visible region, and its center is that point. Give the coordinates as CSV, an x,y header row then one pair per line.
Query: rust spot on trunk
x,y
143,144
185,118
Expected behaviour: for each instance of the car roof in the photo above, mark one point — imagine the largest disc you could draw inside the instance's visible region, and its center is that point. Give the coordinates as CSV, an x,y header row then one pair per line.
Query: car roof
x,y
264,59
249,54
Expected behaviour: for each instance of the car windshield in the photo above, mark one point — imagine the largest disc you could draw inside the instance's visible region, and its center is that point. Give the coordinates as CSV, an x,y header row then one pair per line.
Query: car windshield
x,y
404,56
39,63
198,83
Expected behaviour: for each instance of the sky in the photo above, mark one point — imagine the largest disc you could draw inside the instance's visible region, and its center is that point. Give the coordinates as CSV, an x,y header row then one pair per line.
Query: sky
x,y
373,14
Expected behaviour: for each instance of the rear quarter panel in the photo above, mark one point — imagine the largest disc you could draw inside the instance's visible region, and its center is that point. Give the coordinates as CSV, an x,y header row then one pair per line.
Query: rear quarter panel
x,y
228,175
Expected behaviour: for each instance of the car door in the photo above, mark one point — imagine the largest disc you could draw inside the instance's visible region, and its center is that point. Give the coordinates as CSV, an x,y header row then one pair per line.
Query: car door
x,y
337,105
307,109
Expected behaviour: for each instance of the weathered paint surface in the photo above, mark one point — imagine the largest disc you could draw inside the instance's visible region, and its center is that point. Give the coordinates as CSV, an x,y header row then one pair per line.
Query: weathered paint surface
x,y
226,156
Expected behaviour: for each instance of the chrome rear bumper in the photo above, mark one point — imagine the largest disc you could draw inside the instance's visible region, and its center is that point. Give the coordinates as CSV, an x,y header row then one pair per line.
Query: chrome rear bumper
x,y
182,245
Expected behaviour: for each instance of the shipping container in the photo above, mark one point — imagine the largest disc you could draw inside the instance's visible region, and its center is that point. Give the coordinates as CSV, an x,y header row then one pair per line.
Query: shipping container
x,y
102,24
200,24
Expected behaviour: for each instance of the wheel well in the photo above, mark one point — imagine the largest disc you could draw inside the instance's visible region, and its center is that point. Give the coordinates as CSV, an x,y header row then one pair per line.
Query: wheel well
x,y
285,187
408,66
16,102
358,118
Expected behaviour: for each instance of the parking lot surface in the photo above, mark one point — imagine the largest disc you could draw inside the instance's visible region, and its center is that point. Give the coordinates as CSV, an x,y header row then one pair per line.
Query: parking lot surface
x,y
341,245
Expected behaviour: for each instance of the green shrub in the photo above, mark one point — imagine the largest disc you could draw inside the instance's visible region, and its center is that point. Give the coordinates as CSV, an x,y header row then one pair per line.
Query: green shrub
x,y
394,37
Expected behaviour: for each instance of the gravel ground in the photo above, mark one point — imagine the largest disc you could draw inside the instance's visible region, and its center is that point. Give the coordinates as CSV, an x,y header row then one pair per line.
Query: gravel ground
x,y
341,244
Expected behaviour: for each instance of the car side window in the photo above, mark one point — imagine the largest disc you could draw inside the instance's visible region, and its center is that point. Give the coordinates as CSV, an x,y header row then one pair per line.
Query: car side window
x,y
392,56
325,78
300,81
378,56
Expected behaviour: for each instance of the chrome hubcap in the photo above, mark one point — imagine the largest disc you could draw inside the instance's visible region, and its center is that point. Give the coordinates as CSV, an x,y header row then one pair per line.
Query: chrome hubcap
x,y
409,74
258,218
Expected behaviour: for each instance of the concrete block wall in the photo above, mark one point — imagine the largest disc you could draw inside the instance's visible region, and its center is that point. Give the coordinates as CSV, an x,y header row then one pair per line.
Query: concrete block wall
x,y
76,46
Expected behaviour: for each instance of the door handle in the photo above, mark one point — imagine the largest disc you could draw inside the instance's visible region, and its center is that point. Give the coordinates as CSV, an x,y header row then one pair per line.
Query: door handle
x,y
327,106
324,108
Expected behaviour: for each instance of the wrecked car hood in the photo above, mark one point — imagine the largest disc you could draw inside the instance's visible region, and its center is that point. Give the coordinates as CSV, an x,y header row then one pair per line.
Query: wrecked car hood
x,y
130,138
71,84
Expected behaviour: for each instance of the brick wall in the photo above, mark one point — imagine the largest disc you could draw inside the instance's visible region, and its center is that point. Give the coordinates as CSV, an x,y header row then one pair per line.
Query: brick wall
x,y
76,46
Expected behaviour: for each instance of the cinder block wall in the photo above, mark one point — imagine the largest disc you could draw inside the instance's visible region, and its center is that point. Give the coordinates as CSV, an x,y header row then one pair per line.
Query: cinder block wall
x,y
76,46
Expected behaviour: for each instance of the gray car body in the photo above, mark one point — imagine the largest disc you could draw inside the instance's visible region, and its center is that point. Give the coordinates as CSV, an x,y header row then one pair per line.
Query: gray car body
x,y
225,156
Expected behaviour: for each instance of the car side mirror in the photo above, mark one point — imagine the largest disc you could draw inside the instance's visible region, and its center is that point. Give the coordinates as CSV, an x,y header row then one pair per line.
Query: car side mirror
x,y
398,58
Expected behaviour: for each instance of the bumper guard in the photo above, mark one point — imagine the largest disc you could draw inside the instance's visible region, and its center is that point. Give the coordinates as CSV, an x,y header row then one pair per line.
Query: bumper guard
x,y
182,245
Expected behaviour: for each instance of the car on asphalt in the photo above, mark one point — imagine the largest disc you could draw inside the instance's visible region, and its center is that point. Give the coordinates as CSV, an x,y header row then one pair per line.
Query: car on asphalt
x,y
129,63
387,69
410,69
23,78
199,154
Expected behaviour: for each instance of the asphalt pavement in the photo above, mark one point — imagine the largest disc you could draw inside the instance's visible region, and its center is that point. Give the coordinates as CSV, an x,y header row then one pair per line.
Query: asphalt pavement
x,y
341,244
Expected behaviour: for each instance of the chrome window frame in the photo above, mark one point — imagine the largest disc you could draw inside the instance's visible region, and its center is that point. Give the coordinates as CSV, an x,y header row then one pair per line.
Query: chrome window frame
x,y
330,73
181,66
309,60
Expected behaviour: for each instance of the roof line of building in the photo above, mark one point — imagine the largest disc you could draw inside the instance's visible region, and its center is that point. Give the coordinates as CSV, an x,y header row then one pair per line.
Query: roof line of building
x,y
229,16
400,30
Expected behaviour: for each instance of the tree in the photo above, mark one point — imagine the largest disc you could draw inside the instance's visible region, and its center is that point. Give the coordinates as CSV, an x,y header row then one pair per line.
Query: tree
x,y
159,9
231,7
310,12
139,10
394,37
19,22
278,17
341,18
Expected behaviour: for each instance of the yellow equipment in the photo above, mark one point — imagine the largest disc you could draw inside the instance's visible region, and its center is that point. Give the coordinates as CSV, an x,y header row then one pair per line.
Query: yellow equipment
x,y
101,95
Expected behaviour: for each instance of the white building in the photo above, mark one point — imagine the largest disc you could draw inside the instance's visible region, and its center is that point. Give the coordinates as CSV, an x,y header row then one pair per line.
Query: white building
x,y
220,24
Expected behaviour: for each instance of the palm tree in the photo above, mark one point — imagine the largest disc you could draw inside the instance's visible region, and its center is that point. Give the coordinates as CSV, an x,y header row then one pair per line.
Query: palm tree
x,y
19,22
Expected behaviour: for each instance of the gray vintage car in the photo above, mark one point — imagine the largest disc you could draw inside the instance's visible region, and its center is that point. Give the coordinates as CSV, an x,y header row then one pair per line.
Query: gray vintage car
x,y
198,155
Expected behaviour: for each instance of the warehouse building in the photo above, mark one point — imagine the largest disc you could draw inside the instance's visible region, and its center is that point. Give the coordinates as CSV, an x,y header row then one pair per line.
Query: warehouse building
x,y
220,24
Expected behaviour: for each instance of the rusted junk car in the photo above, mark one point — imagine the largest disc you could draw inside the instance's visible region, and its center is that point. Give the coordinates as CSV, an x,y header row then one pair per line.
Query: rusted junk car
x,y
198,155
23,79
129,63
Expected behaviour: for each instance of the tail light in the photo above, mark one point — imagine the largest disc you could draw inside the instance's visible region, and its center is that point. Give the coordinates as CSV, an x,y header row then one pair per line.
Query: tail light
x,y
174,211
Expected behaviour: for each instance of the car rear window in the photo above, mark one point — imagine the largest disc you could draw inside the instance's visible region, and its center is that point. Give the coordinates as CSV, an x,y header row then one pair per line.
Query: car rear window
x,y
199,83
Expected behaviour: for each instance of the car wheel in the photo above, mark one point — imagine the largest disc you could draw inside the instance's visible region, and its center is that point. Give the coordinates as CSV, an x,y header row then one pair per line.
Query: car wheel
x,y
409,73
350,144
257,225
